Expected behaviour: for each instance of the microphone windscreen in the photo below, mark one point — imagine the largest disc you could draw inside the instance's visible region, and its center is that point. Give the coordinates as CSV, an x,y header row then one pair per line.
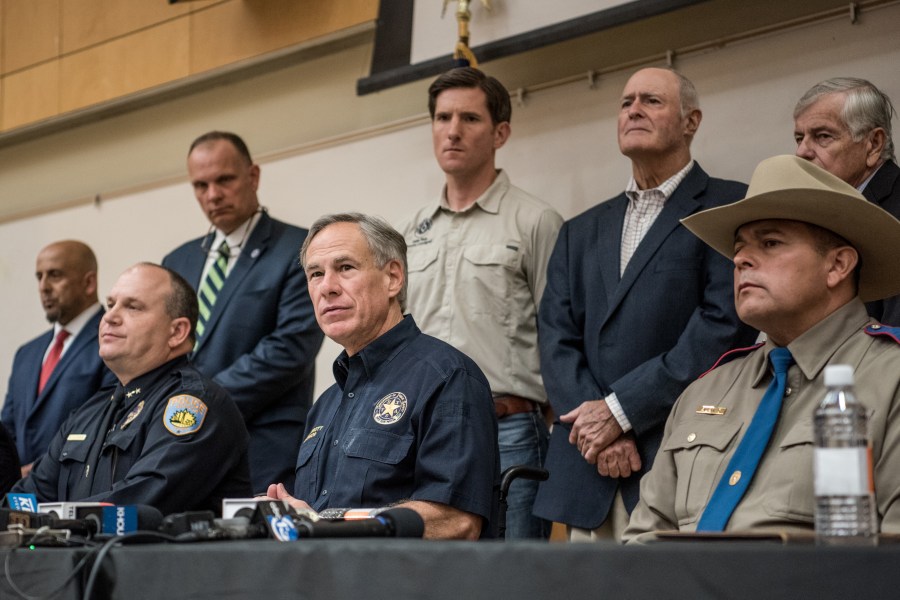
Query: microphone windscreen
x,y
407,523
148,517
245,512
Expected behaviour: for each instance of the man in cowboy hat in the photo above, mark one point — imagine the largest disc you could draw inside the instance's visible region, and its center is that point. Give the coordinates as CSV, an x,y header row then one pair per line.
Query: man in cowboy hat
x,y
808,250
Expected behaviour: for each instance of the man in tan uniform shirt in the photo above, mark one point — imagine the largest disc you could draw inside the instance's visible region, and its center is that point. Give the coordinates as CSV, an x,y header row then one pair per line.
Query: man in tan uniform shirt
x,y
799,241
478,267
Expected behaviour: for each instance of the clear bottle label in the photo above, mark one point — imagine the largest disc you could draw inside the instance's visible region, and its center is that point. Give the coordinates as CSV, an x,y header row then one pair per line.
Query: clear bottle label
x,y
842,471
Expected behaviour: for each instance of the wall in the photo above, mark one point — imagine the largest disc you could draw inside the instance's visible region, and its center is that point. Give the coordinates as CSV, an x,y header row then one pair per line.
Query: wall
x,y
61,56
563,149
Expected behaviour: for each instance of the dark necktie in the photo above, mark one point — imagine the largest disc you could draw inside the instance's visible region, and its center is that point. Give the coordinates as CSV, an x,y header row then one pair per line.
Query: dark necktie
x,y
52,358
211,286
742,467
106,423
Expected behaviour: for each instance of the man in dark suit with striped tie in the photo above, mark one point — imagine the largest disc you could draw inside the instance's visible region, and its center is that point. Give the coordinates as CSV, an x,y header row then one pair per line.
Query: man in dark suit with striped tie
x,y
257,335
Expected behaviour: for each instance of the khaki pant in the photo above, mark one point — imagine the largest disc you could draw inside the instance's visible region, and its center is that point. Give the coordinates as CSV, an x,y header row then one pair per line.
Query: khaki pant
x,y
611,529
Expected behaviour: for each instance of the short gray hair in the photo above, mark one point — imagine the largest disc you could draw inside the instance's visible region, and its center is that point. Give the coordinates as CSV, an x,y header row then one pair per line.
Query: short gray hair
x,y
690,100
385,243
865,108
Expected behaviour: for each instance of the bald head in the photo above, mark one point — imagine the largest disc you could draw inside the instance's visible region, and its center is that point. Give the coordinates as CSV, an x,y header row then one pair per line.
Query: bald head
x,y
66,273
146,324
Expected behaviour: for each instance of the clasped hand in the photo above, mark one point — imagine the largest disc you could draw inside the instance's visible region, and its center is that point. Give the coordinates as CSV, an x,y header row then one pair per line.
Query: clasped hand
x,y
601,441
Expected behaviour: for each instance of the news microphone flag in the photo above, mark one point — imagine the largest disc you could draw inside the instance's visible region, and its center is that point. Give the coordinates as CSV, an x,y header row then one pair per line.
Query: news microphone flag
x,y
23,502
118,520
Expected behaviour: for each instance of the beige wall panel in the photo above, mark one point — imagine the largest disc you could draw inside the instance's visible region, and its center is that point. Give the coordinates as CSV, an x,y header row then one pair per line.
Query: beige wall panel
x,y
90,22
240,29
30,95
124,66
30,31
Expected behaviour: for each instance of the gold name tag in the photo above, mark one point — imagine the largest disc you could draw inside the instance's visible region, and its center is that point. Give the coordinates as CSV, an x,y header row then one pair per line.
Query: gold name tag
x,y
76,437
708,409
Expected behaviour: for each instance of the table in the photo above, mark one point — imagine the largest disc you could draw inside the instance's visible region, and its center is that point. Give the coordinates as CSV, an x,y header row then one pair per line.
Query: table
x,y
399,569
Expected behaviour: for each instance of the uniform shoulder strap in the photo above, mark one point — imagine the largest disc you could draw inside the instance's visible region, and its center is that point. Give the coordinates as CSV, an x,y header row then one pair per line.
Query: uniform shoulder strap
x,y
884,331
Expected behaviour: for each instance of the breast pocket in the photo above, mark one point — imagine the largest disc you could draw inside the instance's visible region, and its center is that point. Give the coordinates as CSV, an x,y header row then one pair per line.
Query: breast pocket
x,y
382,462
698,449
421,258
379,446
788,477
75,452
425,282
489,270
121,439
306,469
72,458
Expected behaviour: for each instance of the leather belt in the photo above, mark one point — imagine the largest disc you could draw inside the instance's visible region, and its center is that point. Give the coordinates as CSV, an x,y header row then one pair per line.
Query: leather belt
x,y
512,405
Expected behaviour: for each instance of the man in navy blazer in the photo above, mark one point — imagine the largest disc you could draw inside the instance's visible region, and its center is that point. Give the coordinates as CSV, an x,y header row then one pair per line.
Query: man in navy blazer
x,y
32,413
259,335
634,310
843,125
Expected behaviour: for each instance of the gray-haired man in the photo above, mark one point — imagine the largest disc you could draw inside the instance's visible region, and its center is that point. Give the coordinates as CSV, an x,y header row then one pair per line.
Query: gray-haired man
x,y
844,126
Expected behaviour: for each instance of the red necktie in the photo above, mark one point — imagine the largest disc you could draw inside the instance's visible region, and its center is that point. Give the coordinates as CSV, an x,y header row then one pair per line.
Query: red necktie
x,y
52,358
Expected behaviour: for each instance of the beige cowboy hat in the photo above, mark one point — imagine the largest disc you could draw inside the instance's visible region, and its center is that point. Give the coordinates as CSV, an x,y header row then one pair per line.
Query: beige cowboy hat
x,y
788,187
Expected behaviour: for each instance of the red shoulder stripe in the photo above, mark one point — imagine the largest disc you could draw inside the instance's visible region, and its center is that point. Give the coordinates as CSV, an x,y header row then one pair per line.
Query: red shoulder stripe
x,y
731,355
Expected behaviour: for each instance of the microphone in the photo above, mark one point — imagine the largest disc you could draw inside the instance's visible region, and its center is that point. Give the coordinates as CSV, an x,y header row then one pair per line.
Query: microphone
x,y
278,517
240,527
28,520
395,522
88,519
199,526
119,520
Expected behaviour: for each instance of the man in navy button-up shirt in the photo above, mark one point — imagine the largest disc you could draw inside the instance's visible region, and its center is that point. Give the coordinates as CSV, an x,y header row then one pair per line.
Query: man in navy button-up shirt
x,y
410,420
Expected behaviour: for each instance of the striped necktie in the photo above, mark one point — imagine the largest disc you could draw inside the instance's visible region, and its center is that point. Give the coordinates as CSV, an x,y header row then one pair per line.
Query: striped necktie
x,y
742,467
211,286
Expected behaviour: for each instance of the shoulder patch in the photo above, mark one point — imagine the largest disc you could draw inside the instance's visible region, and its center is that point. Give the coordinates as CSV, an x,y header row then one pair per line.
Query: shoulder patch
x,y
879,330
184,414
730,356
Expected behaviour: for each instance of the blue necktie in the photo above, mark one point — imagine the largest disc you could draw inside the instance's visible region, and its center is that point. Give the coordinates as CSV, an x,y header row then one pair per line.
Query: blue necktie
x,y
742,466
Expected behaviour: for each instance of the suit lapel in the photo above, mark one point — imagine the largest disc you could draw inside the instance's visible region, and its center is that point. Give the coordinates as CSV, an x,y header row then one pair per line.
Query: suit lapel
x,y
881,185
71,355
682,203
195,261
609,243
254,249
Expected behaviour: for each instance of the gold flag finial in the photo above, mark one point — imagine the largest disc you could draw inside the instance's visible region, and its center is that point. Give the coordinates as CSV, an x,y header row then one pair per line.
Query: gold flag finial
x,y
462,52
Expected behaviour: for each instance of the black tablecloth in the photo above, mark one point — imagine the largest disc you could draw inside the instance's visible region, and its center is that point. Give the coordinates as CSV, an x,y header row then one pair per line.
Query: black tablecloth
x,y
367,569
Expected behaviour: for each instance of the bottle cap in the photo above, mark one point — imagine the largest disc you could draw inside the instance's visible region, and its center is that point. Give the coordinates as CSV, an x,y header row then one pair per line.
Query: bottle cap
x,y
838,375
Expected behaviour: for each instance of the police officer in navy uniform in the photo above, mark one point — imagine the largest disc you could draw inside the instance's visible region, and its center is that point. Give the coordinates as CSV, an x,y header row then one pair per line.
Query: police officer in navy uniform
x,y
167,436
411,419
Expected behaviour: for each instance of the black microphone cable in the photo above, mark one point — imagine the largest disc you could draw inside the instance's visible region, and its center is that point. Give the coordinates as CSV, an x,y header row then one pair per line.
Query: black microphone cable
x,y
35,538
134,536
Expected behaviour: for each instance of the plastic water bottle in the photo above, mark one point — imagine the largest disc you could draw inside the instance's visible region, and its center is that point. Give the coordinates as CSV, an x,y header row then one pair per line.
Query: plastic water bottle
x,y
845,504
